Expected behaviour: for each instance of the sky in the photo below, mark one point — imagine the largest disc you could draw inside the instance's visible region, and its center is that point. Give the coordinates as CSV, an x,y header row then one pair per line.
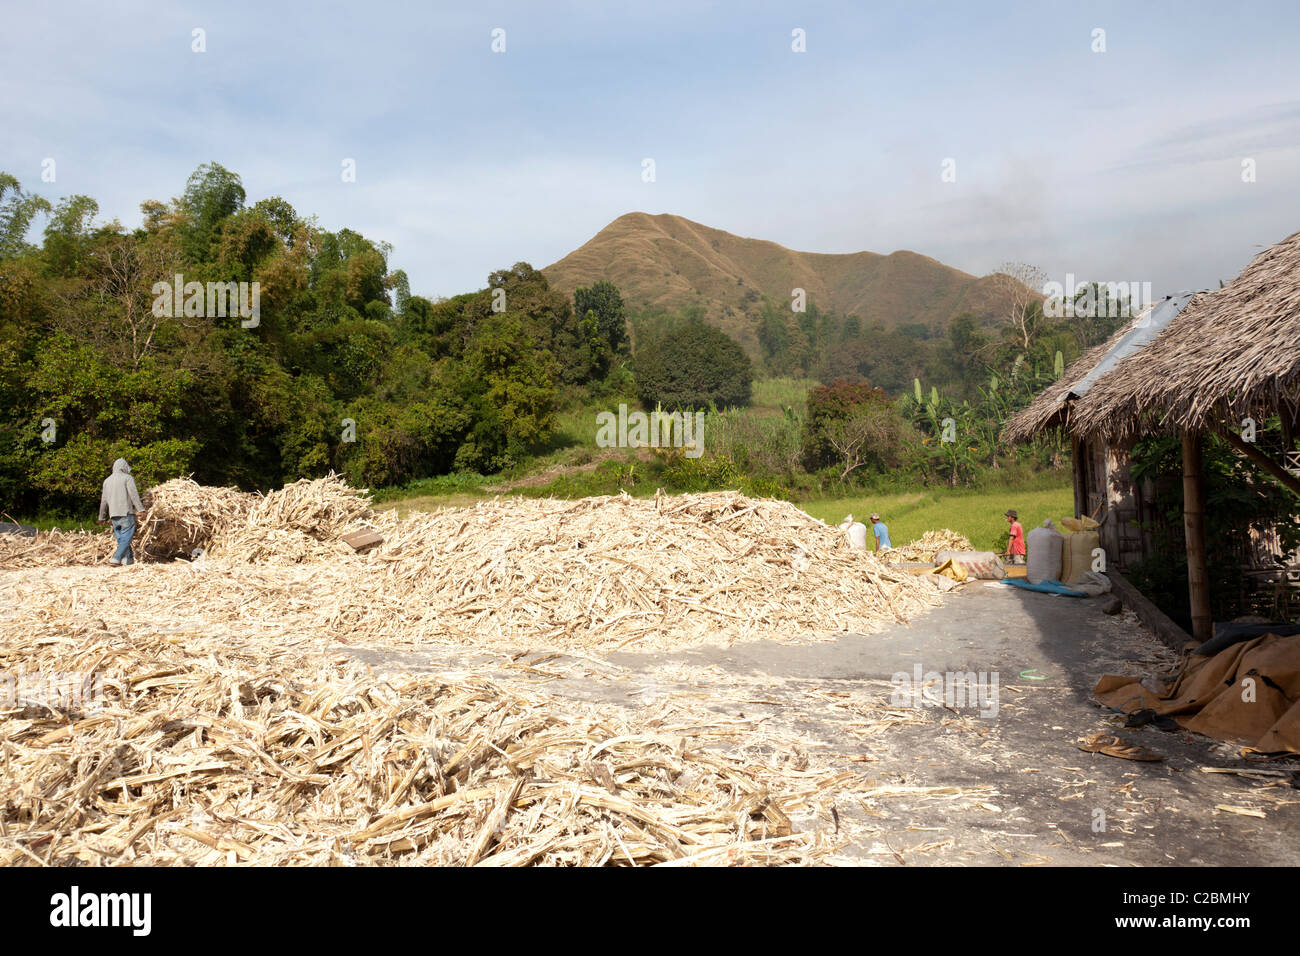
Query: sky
x,y
1122,163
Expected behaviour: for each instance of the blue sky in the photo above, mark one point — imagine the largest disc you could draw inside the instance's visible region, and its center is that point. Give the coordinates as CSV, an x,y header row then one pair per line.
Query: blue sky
x,y
1122,165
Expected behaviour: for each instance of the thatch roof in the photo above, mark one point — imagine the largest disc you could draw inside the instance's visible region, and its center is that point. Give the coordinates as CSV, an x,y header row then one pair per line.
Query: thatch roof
x,y
1053,406
1231,352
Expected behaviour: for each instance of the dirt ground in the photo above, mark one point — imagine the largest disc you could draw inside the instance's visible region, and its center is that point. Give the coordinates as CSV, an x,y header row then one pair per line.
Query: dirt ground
x,y
954,787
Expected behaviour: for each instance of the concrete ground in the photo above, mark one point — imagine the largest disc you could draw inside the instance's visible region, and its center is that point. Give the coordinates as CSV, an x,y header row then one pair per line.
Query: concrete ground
x,y
1007,788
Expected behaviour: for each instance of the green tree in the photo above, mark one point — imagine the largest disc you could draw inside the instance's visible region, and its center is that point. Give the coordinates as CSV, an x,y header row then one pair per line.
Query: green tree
x,y
508,383
68,234
17,210
852,424
604,301
100,413
211,194
693,366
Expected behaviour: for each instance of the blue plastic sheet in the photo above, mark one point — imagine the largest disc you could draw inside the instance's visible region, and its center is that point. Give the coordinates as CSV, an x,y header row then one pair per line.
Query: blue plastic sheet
x,y
1047,587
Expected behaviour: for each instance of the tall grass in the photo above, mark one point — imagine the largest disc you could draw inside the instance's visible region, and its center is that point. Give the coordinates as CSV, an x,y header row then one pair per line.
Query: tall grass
x,y
576,427
778,393
457,483
770,445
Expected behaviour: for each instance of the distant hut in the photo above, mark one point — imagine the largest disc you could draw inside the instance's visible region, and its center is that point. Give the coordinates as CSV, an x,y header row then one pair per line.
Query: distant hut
x,y
1220,358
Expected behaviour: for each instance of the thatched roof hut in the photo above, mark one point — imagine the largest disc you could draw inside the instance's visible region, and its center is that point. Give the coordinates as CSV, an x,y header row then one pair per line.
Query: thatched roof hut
x,y
1216,358
1231,353
1054,405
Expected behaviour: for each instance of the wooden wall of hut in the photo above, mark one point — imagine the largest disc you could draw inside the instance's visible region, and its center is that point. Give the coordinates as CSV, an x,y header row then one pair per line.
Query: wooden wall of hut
x,y
1105,490
1131,524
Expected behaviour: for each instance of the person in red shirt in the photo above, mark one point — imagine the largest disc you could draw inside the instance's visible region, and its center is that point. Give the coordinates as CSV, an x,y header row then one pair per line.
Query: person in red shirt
x,y
1016,546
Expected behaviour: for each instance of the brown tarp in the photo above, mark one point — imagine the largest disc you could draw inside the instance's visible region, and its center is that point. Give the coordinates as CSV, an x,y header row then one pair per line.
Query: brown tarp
x,y
1213,695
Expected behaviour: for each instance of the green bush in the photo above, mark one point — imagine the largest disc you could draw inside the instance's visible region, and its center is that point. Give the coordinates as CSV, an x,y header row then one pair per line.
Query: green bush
x,y
711,473
692,366
766,488
840,413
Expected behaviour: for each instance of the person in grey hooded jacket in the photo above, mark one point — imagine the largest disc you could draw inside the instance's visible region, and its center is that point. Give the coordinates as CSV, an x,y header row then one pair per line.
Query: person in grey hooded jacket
x,y
120,503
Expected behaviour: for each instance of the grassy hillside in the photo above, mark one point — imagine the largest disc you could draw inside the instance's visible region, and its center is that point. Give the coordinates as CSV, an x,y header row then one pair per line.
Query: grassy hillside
x,y
670,262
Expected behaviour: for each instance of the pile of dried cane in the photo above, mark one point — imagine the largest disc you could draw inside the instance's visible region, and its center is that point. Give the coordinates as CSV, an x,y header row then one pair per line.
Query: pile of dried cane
x,y
598,572
183,516
186,751
301,522
55,548
924,548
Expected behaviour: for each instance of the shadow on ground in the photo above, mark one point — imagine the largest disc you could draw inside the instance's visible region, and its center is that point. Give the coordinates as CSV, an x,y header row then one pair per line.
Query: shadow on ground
x,y
1008,788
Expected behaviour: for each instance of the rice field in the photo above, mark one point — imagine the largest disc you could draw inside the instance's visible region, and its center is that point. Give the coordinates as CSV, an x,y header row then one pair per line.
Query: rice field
x,y
976,514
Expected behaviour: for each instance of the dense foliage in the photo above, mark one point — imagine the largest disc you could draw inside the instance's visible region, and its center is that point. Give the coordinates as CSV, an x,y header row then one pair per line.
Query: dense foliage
x,y
958,359
692,365
601,306
976,374
339,366
851,425
961,438
1239,497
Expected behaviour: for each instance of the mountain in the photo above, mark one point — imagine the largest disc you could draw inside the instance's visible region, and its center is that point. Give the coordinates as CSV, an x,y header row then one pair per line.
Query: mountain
x,y
670,262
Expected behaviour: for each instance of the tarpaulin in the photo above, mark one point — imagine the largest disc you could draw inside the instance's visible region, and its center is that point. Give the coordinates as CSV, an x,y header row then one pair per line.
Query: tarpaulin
x,y
1248,693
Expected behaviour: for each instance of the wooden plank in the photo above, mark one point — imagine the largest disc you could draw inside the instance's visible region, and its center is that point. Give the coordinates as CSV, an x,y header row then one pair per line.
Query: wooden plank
x,y
1288,481
364,539
1198,580
1147,517
1160,624
1078,456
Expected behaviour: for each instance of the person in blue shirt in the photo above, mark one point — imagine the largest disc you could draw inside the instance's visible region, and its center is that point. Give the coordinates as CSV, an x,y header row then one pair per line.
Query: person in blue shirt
x,y
881,531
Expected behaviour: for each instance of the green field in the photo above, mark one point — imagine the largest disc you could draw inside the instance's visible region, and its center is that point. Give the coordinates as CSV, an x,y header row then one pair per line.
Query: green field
x,y
976,514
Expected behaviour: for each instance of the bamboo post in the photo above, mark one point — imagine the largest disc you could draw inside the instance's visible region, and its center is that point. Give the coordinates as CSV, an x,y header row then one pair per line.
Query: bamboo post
x,y
1198,583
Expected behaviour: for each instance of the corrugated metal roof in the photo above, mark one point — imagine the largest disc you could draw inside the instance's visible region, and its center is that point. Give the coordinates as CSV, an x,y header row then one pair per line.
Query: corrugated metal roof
x,y
1145,328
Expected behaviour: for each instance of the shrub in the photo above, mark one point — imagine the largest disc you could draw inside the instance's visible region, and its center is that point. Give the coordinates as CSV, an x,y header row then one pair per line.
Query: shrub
x,y
712,473
851,425
692,366
771,445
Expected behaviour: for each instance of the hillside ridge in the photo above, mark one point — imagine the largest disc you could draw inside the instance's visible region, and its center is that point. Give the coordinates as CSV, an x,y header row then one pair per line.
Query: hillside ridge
x,y
665,261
